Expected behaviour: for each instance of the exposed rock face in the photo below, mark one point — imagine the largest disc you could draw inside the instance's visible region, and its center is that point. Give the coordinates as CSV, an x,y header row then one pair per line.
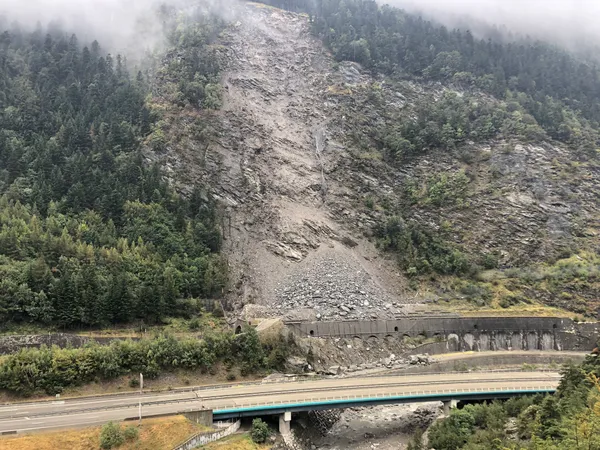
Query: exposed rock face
x,y
270,163
300,200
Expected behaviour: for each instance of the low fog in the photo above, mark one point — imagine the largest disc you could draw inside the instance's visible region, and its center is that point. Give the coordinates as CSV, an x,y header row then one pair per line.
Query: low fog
x,y
132,25
125,26
567,22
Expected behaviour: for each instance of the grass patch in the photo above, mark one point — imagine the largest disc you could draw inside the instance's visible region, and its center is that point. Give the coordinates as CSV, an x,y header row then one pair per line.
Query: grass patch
x,y
154,434
235,442
535,309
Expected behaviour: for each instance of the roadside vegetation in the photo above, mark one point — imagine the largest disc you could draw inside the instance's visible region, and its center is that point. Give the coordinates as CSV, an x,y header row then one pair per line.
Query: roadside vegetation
x,y
51,370
235,442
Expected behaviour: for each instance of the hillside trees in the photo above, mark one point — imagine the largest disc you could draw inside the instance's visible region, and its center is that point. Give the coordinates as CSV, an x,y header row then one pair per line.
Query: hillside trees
x,y
563,421
90,233
554,88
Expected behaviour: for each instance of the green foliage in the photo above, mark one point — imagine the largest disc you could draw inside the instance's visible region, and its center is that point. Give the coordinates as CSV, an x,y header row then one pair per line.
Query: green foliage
x,y
249,350
131,433
194,324
564,421
260,431
89,233
111,436
416,442
444,189
191,74
480,294
539,100
52,369
452,433
420,250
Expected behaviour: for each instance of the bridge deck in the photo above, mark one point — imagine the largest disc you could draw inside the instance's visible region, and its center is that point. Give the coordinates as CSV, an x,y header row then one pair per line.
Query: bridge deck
x,y
271,398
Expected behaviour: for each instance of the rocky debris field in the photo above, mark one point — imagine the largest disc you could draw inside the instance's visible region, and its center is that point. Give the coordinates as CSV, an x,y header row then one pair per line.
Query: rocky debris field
x,y
335,288
378,427
354,355
392,361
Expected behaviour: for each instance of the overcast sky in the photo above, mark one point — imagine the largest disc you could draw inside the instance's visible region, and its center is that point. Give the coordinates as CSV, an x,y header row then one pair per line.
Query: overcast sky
x,y
566,21
120,22
117,24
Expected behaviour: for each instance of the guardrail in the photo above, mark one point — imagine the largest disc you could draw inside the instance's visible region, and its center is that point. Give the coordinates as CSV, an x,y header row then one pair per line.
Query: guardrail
x,y
412,395
135,402
296,379
341,401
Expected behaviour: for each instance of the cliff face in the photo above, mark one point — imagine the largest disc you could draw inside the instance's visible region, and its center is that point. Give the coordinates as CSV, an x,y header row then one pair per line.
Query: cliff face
x,y
295,163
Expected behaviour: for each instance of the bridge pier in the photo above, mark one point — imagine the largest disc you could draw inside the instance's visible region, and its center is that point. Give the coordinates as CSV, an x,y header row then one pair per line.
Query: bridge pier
x,y
448,405
285,423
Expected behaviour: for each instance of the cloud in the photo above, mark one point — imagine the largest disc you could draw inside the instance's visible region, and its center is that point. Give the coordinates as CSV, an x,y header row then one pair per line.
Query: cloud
x,y
128,26
568,22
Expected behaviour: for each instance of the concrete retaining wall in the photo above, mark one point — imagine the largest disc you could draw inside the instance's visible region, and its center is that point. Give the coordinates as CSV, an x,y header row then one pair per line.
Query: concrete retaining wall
x,y
466,333
13,343
205,438
503,360
202,417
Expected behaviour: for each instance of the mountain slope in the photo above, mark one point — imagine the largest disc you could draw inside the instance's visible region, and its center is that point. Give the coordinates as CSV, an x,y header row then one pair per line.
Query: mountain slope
x,y
305,155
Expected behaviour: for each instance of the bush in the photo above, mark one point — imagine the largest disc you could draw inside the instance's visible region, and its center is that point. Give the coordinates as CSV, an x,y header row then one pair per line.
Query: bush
x,y
134,382
421,250
131,433
194,324
218,310
452,433
56,368
416,443
111,436
260,431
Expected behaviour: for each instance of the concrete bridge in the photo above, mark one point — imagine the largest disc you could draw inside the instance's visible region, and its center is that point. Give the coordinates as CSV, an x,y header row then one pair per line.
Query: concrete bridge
x,y
465,333
272,398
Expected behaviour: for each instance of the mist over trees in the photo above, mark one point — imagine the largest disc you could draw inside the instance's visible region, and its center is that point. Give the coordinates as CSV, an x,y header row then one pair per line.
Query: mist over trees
x,y
569,23
557,90
133,28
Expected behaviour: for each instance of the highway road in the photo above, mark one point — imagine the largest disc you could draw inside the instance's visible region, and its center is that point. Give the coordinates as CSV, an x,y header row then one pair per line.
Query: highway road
x,y
37,416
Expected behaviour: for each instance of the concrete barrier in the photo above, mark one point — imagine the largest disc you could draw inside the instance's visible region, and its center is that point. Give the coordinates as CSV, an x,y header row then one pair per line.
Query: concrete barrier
x,y
205,438
465,333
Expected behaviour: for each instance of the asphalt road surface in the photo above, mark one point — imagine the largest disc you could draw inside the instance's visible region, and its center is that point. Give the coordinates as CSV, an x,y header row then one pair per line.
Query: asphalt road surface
x,y
38,416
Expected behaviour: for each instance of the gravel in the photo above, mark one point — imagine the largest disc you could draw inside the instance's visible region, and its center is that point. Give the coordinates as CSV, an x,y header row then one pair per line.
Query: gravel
x,y
334,288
